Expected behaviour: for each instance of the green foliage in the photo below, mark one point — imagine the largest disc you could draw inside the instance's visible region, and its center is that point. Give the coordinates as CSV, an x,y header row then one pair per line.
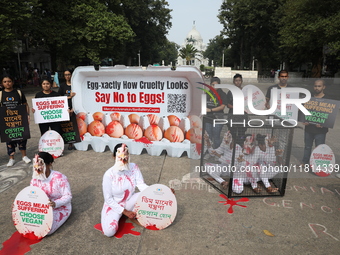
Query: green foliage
x,y
215,49
168,53
15,19
251,29
86,31
307,30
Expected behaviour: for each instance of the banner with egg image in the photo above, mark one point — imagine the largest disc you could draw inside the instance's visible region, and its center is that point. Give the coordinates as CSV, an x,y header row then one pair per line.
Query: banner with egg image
x,y
154,109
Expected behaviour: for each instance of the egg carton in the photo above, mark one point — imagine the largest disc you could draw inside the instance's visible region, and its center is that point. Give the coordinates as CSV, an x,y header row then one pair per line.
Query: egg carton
x,y
154,148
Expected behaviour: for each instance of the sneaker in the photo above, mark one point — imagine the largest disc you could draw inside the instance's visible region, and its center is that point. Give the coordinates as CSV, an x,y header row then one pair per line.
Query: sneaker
x,y
26,159
10,162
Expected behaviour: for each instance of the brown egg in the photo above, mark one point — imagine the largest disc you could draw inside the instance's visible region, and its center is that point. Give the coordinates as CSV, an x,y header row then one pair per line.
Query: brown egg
x,y
194,135
115,116
133,131
98,116
81,115
96,128
153,133
174,134
195,121
153,119
82,127
174,120
114,129
134,118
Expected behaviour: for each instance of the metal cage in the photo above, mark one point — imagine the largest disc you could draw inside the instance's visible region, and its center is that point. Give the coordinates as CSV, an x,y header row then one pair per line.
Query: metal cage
x,y
253,157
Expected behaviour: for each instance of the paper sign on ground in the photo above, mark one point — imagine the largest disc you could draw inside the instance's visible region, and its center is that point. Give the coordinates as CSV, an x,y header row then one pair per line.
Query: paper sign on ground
x,y
322,160
156,207
52,142
31,213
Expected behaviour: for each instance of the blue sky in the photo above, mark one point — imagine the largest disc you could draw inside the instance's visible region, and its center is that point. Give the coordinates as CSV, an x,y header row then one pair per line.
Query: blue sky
x,y
185,12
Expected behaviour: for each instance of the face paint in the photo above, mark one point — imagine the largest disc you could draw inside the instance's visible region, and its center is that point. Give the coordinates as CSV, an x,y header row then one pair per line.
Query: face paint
x,y
248,145
228,138
39,168
122,158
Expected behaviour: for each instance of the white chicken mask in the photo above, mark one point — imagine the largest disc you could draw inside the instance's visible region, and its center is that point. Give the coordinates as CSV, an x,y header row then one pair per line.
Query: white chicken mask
x,y
39,168
122,159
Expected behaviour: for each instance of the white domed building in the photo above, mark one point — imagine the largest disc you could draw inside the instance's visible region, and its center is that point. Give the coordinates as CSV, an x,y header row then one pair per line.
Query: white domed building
x,y
195,39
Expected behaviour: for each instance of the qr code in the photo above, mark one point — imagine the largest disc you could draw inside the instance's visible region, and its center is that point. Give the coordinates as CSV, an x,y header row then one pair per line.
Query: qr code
x,y
177,103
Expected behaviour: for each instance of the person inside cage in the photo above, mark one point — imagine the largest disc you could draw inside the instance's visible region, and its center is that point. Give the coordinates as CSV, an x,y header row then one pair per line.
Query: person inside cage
x,y
56,187
248,173
268,158
223,154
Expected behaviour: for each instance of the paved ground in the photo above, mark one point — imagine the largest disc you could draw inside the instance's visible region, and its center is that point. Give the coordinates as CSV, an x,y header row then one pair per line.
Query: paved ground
x,y
304,221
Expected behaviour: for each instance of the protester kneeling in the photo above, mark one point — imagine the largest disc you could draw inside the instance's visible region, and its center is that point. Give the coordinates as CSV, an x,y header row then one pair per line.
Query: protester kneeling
x,y
56,187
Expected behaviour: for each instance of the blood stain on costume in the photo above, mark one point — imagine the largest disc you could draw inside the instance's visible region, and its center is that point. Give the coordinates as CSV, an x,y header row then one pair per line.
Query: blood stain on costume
x,y
143,140
231,202
18,244
123,228
198,148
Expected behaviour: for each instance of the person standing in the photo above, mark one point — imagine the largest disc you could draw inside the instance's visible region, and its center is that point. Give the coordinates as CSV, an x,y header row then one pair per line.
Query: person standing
x,y
237,130
314,133
11,98
66,90
283,79
215,110
47,92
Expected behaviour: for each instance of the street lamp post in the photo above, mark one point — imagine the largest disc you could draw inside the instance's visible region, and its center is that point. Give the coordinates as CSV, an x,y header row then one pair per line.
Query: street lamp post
x,y
138,58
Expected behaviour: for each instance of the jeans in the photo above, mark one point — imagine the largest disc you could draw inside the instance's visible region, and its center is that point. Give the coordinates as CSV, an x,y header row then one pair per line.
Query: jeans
x,y
214,134
309,139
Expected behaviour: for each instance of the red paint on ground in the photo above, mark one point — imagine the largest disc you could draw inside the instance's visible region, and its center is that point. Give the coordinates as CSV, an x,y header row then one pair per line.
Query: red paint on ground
x,y
143,140
18,244
99,227
152,227
123,228
231,202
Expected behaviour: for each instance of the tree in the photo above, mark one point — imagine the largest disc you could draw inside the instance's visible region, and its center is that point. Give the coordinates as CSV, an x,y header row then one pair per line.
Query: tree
x,y
306,31
168,52
215,49
150,21
15,20
188,53
79,31
250,28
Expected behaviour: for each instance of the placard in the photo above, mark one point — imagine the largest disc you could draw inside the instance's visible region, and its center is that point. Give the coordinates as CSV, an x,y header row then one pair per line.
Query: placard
x,y
258,98
291,109
52,142
31,213
324,112
322,160
50,109
70,131
156,207
14,124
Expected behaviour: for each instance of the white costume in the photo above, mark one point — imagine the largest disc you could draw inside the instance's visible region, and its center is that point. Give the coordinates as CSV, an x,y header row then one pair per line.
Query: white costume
x,y
226,160
58,190
267,162
119,194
